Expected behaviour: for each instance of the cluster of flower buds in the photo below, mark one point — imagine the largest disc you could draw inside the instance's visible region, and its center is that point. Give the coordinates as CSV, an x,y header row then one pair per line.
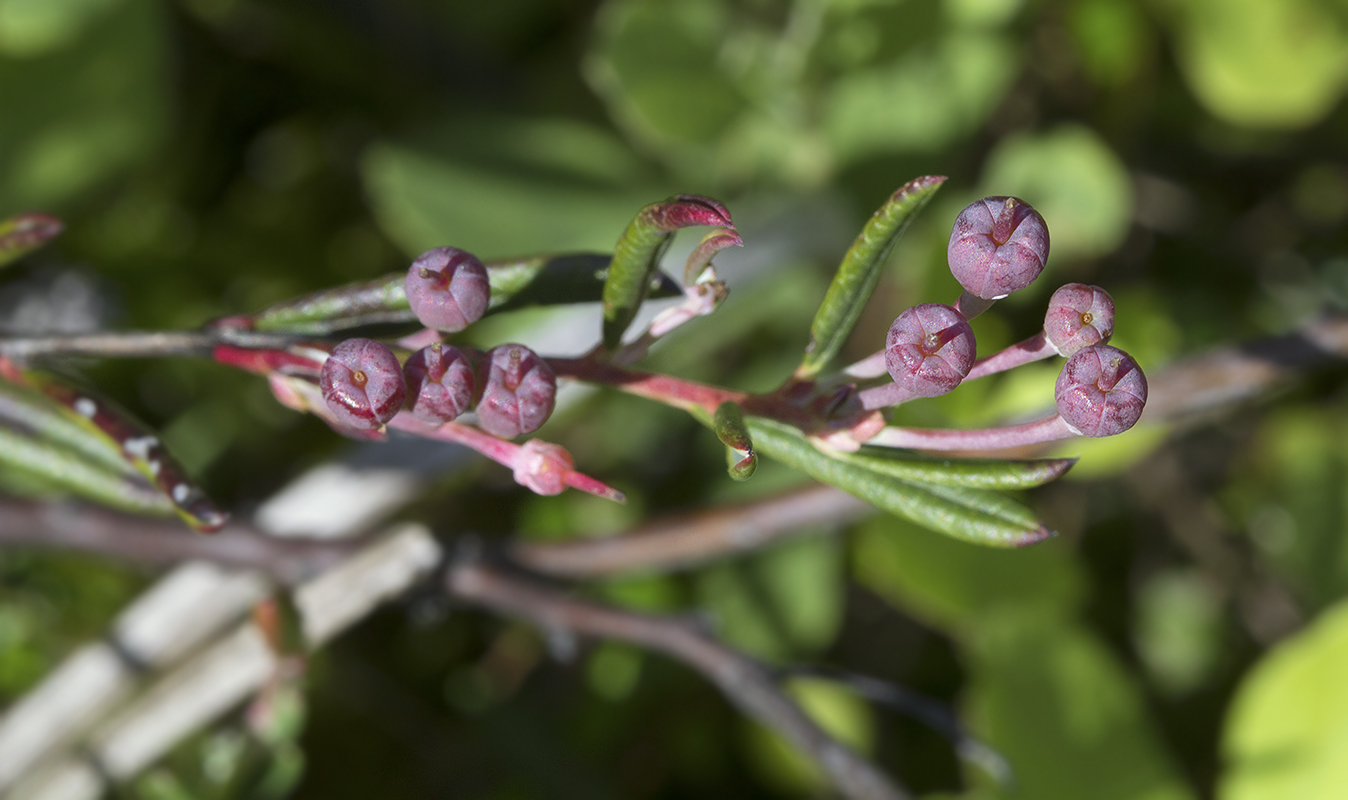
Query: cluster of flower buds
x,y
512,388
999,245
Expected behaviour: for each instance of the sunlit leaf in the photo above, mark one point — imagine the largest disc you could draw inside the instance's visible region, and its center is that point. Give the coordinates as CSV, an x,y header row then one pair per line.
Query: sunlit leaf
x,y
1287,733
969,514
971,472
860,271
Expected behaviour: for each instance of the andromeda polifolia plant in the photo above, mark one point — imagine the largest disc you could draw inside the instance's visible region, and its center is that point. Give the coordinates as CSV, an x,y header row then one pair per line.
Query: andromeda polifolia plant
x,y
826,420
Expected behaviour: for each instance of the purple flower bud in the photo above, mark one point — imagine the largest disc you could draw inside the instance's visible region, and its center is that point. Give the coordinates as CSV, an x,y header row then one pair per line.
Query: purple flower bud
x,y
447,289
519,391
362,383
929,350
439,383
998,246
1078,316
1101,391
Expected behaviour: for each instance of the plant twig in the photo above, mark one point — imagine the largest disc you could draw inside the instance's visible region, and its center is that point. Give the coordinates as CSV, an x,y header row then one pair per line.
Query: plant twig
x,y
688,540
744,682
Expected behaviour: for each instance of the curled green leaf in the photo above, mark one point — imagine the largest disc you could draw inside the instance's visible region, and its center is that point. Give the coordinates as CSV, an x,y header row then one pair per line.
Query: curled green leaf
x,y
741,459
636,257
859,272
25,233
976,473
972,515
515,283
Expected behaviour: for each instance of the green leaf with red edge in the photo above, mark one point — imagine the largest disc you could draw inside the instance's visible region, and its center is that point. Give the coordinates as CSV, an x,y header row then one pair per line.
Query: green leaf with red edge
x,y
636,257
132,440
728,422
859,272
973,515
515,283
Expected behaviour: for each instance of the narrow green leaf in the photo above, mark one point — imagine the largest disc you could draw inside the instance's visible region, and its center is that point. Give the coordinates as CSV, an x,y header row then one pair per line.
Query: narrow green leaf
x,y
137,444
515,283
27,410
741,460
860,271
51,464
975,473
968,514
636,257
25,233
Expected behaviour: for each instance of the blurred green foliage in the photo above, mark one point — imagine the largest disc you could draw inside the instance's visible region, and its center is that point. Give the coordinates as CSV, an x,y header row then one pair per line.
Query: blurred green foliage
x,y
1183,637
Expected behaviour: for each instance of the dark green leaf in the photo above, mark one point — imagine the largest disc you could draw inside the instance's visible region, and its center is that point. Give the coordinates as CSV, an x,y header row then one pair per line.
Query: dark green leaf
x,y
969,514
860,271
974,473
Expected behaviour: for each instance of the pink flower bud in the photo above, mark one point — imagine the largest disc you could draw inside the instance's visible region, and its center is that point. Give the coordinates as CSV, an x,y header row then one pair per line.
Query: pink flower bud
x,y
519,391
1101,391
362,383
439,383
542,467
929,350
998,245
447,289
1078,316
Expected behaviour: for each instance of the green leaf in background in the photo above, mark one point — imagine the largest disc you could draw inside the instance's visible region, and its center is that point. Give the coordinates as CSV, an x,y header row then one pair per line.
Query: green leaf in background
x,y
92,81
1073,178
54,467
1052,699
859,272
1261,64
921,101
835,709
454,186
972,515
952,586
1287,733
779,603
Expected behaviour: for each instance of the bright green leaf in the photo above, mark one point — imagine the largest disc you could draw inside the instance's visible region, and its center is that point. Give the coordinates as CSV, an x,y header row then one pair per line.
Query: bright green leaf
x,y
1287,733
859,272
975,473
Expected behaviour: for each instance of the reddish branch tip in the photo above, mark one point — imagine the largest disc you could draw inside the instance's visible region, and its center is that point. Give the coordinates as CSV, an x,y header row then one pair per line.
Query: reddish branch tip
x,y
447,288
1101,391
519,391
998,245
929,349
362,383
688,210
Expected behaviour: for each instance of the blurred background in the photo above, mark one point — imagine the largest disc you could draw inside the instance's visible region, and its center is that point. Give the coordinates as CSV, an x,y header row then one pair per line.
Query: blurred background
x,y
1184,637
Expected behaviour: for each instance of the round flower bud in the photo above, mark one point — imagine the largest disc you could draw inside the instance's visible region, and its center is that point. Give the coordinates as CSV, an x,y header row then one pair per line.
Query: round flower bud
x,y
998,245
929,349
519,390
1078,316
362,383
447,289
439,383
1101,391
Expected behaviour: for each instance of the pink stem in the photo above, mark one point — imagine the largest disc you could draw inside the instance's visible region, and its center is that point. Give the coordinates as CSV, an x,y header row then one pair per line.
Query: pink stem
x,y
972,305
498,450
872,366
1032,349
890,394
1050,429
